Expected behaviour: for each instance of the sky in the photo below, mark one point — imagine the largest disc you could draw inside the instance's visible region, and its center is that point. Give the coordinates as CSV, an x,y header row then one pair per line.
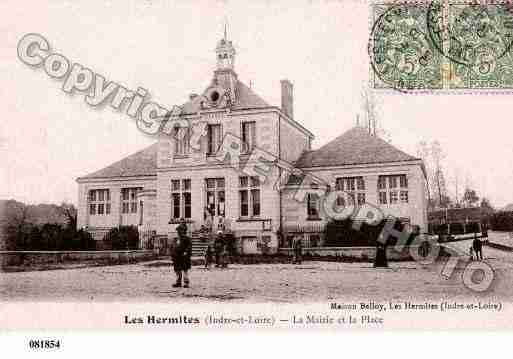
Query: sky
x,y
49,138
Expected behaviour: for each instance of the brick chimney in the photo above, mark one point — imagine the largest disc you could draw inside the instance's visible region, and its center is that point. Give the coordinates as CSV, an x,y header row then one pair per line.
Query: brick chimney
x,y
287,98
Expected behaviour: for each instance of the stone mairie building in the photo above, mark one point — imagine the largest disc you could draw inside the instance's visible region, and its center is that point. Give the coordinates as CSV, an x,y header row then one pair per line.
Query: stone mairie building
x,y
156,187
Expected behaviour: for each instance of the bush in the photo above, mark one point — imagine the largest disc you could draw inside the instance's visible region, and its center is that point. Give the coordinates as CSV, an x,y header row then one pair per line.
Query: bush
x,y
457,228
48,237
472,227
121,238
35,239
441,229
502,221
342,234
83,241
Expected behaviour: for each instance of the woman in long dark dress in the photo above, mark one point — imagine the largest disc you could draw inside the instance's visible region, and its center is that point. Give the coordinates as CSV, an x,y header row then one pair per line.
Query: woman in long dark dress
x,y
381,256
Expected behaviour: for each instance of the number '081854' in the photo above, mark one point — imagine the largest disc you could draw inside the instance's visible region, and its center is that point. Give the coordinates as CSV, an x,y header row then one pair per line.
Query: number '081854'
x,y
44,344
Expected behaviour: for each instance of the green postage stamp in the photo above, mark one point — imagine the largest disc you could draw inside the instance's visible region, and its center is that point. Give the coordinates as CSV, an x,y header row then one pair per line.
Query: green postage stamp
x,y
437,45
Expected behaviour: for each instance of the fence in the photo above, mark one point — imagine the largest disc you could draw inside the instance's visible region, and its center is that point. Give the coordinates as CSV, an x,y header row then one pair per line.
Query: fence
x,y
47,259
355,253
455,228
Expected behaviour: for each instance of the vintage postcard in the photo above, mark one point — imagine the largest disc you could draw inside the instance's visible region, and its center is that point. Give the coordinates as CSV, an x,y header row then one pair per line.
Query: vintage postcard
x,y
342,165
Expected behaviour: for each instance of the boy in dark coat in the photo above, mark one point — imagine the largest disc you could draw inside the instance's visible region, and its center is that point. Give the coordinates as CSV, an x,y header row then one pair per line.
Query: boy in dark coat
x,y
182,227
478,248
182,256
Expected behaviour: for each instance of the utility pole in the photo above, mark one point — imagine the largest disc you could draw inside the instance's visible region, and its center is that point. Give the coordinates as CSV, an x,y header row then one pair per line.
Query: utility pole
x,y
457,190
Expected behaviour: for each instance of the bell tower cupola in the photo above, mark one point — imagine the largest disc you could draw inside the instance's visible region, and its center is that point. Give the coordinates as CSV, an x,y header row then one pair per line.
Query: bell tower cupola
x,y
225,78
225,53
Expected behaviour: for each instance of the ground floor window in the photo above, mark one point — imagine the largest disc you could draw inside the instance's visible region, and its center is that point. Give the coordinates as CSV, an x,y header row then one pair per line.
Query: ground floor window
x,y
216,198
129,199
249,196
312,206
392,189
99,202
354,188
181,199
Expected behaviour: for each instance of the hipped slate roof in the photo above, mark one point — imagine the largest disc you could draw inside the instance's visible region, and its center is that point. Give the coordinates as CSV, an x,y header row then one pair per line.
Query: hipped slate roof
x,y
246,98
353,147
142,163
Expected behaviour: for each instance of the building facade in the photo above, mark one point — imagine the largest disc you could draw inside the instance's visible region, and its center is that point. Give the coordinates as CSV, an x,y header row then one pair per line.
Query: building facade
x,y
186,173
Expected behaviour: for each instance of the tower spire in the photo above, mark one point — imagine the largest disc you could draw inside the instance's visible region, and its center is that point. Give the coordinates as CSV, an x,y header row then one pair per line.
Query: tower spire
x,y
225,51
224,75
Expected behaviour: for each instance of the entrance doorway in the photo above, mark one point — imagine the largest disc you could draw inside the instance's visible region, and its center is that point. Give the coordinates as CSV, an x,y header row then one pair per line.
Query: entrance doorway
x,y
215,197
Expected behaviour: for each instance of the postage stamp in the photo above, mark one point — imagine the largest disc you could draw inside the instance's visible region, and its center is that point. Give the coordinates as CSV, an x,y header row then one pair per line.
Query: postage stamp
x,y
402,55
441,45
480,44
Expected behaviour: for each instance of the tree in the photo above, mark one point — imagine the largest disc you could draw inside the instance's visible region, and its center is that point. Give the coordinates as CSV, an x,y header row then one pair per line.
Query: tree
x,y
69,210
485,203
438,156
424,152
16,223
432,155
446,201
456,188
470,197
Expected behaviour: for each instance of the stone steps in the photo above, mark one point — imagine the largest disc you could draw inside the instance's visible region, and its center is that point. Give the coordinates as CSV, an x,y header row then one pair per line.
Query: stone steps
x,y
199,246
